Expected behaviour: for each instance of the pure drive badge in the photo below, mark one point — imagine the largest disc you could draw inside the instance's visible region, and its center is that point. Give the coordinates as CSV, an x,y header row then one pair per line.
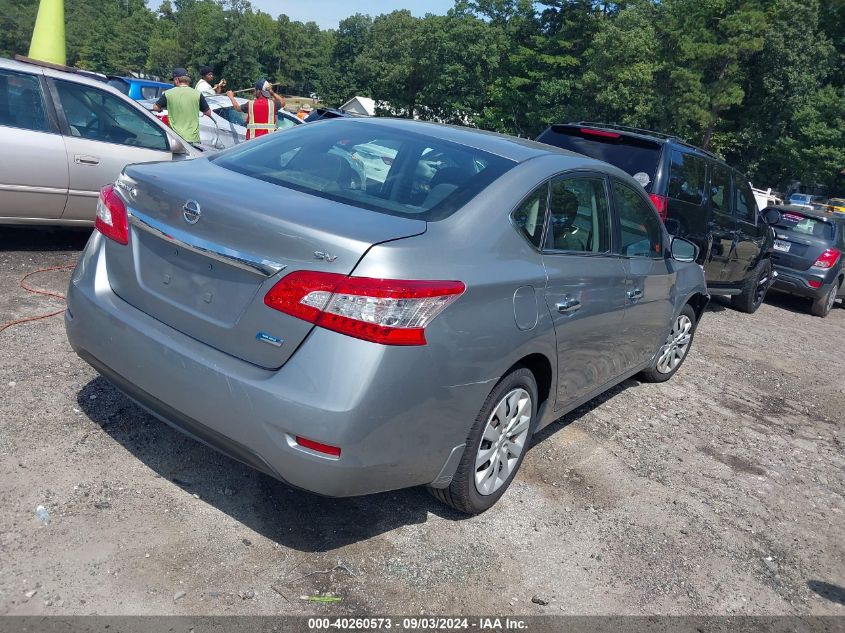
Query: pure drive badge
x,y
269,339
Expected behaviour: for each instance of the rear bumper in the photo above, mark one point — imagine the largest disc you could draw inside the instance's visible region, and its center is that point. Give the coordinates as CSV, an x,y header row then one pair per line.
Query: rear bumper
x,y
797,282
386,407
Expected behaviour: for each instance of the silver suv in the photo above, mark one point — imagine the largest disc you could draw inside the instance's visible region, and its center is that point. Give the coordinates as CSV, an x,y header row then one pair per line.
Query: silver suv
x,y
65,134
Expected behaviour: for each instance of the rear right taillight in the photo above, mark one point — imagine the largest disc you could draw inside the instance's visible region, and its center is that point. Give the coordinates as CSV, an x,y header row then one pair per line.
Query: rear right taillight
x,y
661,203
828,259
386,311
112,220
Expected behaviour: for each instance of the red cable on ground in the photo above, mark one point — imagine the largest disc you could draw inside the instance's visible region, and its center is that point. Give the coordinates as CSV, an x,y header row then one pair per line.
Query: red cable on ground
x,y
38,291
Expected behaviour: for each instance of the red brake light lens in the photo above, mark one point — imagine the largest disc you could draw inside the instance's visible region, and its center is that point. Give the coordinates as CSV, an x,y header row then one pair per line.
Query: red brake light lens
x,y
111,218
828,259
661,203
815,283
386,311
602,133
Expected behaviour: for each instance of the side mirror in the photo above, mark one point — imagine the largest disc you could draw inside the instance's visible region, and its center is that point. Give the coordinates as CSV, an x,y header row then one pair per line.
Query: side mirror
x,y
771,216
177,146
683,250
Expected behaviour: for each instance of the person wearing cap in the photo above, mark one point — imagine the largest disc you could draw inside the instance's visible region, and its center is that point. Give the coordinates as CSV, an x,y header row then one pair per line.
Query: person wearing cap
x,y
261,111
182,104
204,84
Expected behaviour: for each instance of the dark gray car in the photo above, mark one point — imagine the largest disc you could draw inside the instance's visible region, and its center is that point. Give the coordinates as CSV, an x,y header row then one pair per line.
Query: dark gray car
x,y
349,334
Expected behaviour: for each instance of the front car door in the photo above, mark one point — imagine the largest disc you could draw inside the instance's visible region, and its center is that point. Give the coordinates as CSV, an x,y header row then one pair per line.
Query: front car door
x,y
102,133
586,285
33,165
648,294
750,232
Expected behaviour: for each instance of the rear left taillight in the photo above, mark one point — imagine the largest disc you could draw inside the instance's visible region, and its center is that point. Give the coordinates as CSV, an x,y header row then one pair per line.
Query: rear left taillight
x,y
661,203
828,259
111,216
386,311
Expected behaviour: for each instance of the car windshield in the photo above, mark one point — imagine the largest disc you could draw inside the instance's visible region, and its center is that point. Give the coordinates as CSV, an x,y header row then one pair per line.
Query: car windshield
x,y
799,224
637,157
370,166
799,197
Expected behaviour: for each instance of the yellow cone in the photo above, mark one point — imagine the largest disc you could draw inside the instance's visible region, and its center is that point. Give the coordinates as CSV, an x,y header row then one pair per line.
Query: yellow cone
x,y
48,38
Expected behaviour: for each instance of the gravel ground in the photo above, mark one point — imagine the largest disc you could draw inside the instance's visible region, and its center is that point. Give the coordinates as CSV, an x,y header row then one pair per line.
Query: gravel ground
x,y
719,492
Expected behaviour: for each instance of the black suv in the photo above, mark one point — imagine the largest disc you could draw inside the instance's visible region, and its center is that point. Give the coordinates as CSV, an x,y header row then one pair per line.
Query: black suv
x,y
808,256
698,196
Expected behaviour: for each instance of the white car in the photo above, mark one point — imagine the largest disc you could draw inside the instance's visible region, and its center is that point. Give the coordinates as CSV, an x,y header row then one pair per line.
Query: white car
x,y
227,126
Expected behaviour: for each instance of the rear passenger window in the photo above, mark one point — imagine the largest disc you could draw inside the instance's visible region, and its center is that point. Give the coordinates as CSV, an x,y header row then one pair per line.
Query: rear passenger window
x,y
150,92
686,178
21,102
745,205
530,216
720,188
578,216
642,235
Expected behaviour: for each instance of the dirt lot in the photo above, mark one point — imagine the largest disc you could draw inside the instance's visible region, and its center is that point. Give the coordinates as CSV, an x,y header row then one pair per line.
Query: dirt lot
x,y
718,492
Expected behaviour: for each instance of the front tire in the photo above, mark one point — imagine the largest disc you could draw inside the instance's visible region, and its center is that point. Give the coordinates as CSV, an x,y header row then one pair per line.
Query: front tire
x,y
822,306
496,446
754,288
673,352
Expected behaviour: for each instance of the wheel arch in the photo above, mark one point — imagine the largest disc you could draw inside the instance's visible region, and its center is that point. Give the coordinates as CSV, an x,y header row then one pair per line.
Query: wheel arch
x,y
698,302
539,365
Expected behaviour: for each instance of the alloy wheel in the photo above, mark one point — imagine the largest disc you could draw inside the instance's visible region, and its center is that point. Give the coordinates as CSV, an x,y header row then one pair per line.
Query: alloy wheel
x,y
676,345
503,441
762,287
831,297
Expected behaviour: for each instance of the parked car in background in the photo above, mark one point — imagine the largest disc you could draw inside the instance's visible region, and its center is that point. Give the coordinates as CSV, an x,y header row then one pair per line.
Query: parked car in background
x,y
699,197
227,126
139,89
836,205
418,331
808,256
806,201
64,136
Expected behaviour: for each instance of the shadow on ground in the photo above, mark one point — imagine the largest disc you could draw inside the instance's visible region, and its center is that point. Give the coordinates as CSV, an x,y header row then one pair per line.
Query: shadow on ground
x,y
13,238
834,593
290,517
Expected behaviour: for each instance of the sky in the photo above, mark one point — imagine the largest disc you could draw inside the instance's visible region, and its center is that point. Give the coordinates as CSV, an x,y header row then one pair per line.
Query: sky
x,y
327,13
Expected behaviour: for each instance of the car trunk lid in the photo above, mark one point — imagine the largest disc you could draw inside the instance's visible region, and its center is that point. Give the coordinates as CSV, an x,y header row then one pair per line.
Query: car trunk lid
x,y
207,244
801,239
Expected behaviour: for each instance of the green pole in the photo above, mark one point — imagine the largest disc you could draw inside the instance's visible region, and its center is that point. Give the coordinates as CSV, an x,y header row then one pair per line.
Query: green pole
x,y
48,38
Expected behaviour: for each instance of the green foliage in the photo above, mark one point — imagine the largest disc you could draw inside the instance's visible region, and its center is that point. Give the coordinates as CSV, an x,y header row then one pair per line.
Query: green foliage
x,y
761,82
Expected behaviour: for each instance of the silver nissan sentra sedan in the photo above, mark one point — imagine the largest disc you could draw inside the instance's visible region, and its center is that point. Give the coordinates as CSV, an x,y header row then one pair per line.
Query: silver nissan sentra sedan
x,y
349,334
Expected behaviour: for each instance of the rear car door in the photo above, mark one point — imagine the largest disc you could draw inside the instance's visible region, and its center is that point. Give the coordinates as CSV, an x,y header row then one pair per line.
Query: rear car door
x,y
690,217
102,135
750,232
586,285
722,225
33,165
649,280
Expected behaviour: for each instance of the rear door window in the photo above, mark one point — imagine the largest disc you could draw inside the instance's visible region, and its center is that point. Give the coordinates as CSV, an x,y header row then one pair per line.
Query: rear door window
x,y
530,216
578,215
638,157
150,92
687,178
720,188
22,102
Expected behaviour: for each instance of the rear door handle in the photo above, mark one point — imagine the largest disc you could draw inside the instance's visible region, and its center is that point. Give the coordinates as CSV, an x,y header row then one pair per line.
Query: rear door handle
x,y
569,304
635,293
81,159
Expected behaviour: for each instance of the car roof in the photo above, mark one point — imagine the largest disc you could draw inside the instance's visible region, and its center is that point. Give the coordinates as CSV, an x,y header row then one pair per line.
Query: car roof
x,y
510,147
658,138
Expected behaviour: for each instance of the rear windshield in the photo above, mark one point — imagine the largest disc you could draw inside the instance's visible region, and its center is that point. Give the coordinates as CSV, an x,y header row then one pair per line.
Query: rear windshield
x,y
637,157
370,166
798,224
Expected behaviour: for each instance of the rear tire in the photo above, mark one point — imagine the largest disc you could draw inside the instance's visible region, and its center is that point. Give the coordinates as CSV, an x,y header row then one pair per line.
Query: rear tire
x,y
822,306
505,409
675,350
754,288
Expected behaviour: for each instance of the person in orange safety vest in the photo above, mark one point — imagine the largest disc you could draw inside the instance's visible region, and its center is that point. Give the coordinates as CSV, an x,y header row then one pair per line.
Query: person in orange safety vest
x,y
261,111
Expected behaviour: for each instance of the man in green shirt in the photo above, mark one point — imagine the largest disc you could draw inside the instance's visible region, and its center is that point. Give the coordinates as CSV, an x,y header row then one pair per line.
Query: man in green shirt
x,y
183,104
